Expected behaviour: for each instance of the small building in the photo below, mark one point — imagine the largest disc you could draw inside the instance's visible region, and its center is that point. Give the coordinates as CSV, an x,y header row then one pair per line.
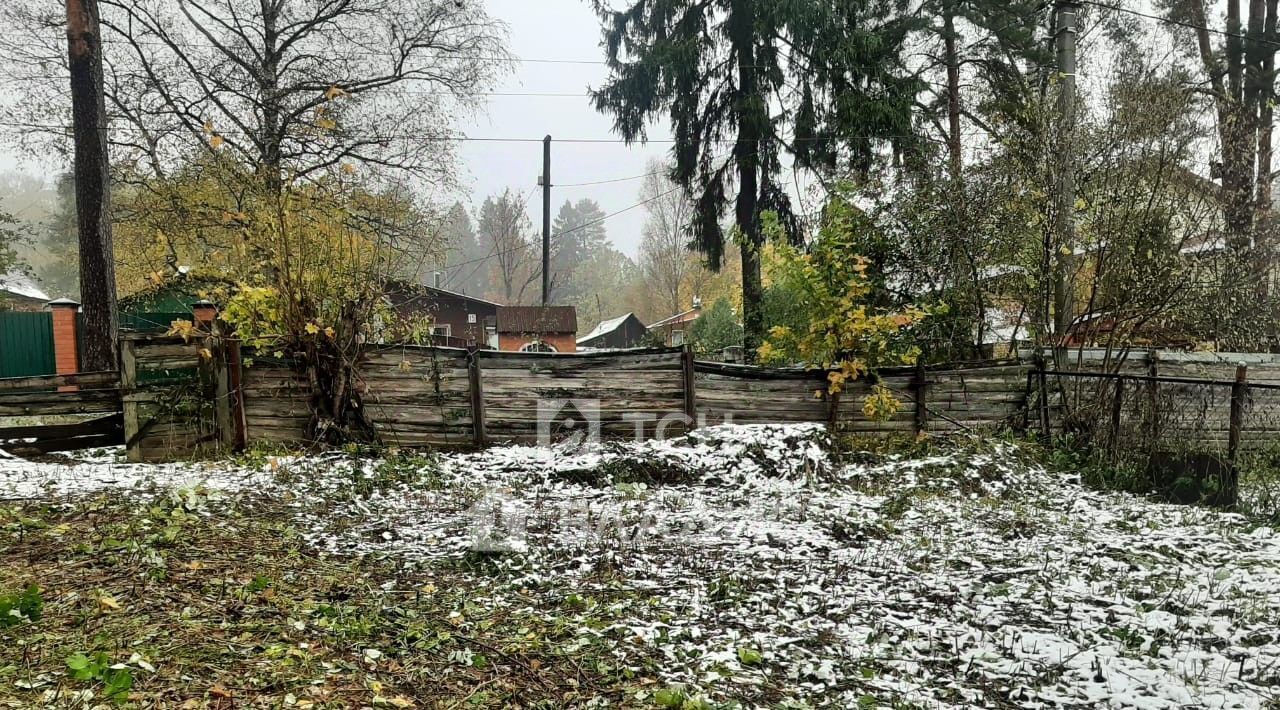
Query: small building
x,y
674,330
20,292
458,320
539,329
625,331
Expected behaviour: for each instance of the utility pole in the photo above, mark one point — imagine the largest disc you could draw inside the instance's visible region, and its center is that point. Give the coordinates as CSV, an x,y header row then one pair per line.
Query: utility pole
x,y
1065,224
92,186
546,221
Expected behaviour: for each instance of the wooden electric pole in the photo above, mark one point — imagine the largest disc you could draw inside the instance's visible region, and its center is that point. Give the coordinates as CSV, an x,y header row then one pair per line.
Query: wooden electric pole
x,y
546,221
99,322
1065,224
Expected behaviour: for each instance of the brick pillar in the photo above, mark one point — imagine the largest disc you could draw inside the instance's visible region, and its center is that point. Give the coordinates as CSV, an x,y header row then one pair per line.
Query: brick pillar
x,y
66,353
203,313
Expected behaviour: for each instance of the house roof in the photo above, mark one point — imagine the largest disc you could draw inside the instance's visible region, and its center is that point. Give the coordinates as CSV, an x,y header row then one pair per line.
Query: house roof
x,y
685,317
404,293
19,284
606,326
537,319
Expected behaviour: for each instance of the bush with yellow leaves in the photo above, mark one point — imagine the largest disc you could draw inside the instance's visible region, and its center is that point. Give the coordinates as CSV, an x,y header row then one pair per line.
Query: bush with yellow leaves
x,y
843,334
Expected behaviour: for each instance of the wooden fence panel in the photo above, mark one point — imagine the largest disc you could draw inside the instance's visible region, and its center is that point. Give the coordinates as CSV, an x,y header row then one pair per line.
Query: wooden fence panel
x,y
418,396
624,390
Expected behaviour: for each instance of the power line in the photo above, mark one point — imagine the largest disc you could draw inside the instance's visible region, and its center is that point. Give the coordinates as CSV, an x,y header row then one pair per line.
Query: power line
x,y
1178,23
480,139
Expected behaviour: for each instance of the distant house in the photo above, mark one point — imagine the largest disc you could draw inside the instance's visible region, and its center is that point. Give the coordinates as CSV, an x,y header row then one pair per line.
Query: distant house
x,y
674,330
625,331
539,329
19,292
457,319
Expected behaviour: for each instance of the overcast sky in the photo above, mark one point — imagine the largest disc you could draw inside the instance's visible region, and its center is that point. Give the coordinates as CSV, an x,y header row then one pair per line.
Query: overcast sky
x,y
537,29
560,30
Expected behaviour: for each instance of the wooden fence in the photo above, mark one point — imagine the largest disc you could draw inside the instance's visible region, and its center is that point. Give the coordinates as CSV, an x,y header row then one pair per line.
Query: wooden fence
x,y
173,398
90,402
428,396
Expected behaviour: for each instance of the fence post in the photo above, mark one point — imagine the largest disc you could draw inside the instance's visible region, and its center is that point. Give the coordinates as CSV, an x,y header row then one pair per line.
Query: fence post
x,y
222,414
477,395
920,385
1239,396
833,409
1117,409
1043,384
129,407
690,387
234,365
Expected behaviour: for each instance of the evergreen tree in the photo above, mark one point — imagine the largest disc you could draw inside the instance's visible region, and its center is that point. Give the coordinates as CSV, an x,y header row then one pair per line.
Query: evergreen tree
x,y
577,238
718,69
464,261
716,329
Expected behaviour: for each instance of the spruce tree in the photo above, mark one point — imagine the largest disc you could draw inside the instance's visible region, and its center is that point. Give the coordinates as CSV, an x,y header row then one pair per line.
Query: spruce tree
x,y
746,82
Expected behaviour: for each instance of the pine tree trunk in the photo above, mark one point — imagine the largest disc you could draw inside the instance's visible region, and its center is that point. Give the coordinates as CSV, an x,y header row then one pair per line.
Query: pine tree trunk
x,y
746,154
99,323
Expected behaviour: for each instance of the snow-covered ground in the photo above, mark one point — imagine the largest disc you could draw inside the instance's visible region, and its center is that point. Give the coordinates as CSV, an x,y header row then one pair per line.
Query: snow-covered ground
x,y
764,571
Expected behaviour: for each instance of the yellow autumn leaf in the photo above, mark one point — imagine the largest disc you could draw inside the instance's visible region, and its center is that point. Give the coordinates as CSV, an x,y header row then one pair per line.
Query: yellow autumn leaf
x,y
208,126
206,354
348,168
312,328
215,141
107,602
334,92
329,332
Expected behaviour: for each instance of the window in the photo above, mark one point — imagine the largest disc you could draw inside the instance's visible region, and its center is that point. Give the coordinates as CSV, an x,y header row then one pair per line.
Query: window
x,y
536,347
677,337
442,329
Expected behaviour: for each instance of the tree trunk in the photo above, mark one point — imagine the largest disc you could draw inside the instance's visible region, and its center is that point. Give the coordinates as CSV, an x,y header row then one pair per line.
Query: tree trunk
x,y
93,197
746,155
953,94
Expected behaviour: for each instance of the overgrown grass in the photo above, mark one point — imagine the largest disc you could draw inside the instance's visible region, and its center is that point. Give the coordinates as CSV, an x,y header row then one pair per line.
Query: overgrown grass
x,y
189,602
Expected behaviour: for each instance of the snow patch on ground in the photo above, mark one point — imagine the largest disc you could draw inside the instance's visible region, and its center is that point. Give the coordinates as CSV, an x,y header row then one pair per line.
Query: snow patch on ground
x,y
762,570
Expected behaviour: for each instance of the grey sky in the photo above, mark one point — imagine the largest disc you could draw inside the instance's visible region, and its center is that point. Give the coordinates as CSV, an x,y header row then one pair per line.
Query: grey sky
x,y
537,29
556,29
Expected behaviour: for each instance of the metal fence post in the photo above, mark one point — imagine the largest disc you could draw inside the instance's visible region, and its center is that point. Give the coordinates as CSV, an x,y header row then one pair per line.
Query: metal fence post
x,y
1239,395
1045,429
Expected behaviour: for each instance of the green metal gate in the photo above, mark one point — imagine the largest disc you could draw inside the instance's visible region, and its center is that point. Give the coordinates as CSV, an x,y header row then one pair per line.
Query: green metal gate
x,y
26,344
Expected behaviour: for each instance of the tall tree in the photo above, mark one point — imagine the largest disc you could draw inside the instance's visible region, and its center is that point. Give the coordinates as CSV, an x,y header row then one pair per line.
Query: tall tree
x,y
464,263
664,237
1239,68
577,237
503,232
287,86
100,321
718,68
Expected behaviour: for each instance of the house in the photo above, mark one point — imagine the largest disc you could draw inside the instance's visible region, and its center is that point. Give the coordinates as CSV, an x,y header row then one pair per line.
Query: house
x,y
457,319
538,329
625,331
19,292
674,330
